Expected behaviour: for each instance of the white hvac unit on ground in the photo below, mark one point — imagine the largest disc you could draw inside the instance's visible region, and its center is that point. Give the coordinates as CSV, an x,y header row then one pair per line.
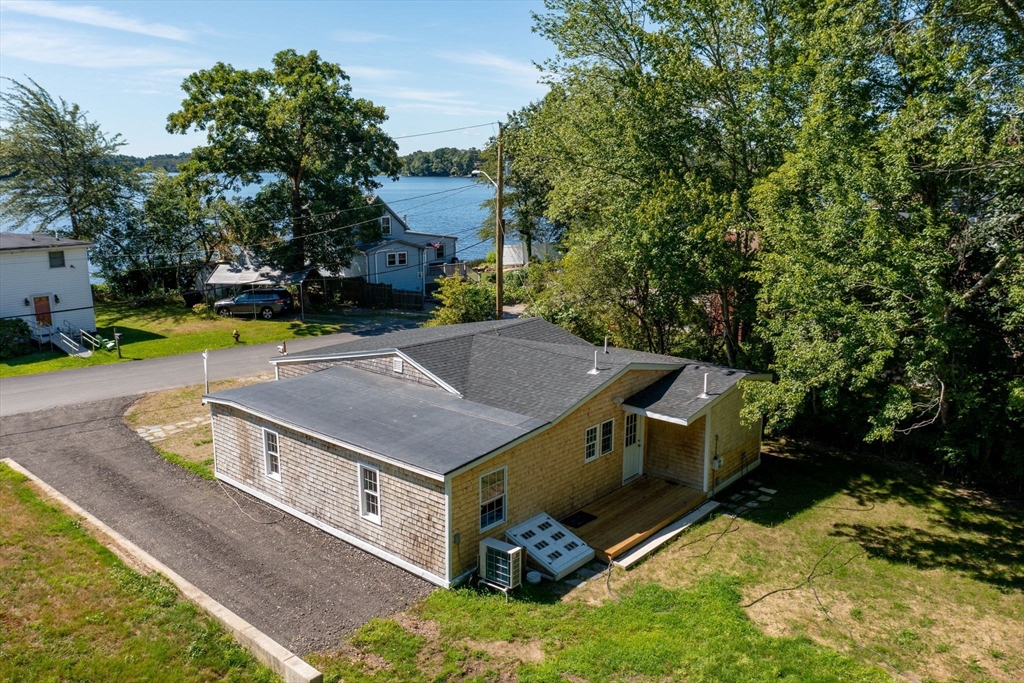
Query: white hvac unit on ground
x,y
501,564
555,549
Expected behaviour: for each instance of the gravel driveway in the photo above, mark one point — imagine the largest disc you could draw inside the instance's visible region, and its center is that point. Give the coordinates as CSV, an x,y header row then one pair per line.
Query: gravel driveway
x,y
300,586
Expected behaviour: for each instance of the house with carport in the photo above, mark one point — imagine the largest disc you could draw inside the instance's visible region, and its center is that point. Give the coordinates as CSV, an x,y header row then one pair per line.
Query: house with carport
x,y
416,445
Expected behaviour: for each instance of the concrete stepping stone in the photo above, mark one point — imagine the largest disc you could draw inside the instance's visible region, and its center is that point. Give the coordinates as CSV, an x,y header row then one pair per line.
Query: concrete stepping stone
x,y
736,496
198,419
585,573
191,425
770,492
754,482
764,499
753,504
574,582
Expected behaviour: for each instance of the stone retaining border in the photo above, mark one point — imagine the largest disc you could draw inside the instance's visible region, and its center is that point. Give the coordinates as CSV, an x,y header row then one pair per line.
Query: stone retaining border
x,y
285,663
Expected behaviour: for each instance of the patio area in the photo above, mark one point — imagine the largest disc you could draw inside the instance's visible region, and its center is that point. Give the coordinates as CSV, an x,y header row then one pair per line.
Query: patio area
x,y
631,514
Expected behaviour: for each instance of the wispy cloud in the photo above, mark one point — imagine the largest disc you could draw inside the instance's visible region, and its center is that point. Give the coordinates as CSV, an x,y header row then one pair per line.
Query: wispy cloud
x,y
520,73
346,36
96,16
373,73
75,49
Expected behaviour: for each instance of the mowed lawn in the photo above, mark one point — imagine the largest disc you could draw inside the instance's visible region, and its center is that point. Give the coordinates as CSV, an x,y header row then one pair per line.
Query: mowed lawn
x,y
70,610
169,329
906,575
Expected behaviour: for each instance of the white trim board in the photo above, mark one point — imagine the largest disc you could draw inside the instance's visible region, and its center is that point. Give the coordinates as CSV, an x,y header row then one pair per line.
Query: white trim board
x,y
338,533
637,553
356,355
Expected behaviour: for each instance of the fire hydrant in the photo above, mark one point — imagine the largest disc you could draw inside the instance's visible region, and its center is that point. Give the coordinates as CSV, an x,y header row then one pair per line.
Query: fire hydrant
x,y
234,335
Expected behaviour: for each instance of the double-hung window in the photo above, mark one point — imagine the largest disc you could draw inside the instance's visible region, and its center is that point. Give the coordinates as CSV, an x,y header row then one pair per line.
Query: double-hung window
x,y
598,440
439,250
369,493
272,454
56,259
590,444
396,258
607,435
385,225
492,499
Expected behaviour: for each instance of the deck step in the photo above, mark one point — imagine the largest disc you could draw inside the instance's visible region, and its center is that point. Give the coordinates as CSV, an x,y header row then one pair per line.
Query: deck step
x,y
639,552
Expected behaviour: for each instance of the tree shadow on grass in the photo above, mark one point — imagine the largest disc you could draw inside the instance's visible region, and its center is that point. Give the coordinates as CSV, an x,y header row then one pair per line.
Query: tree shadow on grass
x,y
968,532
994,559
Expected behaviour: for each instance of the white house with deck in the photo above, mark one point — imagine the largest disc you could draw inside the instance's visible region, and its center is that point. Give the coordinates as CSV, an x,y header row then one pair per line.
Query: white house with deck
x,y
402,258
45,281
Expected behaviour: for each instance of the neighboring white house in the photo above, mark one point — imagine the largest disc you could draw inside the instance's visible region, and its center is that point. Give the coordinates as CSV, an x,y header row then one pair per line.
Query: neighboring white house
x,y
45,280
403,258
514,255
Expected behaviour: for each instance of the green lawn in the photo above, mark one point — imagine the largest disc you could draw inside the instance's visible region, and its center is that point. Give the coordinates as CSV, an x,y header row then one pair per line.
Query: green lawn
x,y
929,577
70,610
170,328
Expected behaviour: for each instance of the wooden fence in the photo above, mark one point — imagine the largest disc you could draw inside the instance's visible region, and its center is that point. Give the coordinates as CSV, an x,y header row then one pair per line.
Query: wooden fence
x,y
371,295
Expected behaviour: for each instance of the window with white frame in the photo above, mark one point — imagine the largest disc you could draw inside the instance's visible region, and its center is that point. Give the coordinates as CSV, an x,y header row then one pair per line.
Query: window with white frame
x,y
272,454
492,499
590,444
607,436
396,258
385,224
439,250
369,493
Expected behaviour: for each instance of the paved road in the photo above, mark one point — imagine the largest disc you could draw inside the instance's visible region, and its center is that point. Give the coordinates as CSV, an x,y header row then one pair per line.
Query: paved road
x,y
298,585
29,393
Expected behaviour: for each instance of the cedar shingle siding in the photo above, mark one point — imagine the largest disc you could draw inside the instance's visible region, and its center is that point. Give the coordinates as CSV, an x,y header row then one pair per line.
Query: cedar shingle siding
x,y
320,479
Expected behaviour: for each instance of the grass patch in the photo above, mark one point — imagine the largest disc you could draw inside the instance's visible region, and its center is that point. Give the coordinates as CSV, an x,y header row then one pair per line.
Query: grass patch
x,y
192,446
929,576
170,328
71,610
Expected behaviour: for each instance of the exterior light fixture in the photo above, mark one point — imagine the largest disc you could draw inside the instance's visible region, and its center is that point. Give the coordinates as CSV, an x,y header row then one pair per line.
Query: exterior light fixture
x,y
56,299
27,302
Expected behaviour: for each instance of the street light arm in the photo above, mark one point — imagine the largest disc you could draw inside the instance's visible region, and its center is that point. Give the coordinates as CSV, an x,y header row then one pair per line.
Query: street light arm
x,y
487,176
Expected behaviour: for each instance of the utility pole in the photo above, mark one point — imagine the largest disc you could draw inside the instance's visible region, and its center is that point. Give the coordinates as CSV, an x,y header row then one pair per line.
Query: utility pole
x,y
499,240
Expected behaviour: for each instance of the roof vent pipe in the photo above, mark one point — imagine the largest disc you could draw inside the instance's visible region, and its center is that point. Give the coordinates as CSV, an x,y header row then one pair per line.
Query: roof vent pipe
x,y
594,370
606,343
704,394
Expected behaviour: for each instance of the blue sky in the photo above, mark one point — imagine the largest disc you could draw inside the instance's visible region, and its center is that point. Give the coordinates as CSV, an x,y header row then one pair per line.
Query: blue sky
x,y
432,65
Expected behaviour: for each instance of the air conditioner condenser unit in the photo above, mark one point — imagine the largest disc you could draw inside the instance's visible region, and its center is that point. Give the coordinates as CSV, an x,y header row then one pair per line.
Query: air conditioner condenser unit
x,y
501,564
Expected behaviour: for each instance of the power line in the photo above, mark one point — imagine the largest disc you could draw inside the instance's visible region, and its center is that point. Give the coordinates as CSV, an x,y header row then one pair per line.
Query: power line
x,y
450,130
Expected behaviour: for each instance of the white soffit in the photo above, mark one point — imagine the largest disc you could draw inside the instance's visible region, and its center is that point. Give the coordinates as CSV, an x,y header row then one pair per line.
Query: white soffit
x,y
559,551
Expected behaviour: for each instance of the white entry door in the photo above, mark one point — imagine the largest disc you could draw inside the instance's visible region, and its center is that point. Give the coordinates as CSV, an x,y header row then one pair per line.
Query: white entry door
x,y
633,447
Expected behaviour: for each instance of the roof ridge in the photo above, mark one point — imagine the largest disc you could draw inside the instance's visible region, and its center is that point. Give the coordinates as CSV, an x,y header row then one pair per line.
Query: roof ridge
x,y
468,333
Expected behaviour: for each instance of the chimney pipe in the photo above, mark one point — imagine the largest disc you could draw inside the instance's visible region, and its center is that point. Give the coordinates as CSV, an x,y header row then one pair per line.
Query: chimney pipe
x,y
594,370
606,343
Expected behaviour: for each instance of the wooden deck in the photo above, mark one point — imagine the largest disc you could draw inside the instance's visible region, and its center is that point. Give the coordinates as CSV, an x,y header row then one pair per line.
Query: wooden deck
x,y
631,514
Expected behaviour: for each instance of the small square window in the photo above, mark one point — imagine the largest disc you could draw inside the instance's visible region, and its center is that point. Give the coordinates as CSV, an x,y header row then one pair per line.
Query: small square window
x,y
607,432
272,454
369,493
56,259
590,444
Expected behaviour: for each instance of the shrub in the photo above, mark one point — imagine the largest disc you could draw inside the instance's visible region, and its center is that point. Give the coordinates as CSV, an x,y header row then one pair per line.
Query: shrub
x,y
15,338
461,302
202,310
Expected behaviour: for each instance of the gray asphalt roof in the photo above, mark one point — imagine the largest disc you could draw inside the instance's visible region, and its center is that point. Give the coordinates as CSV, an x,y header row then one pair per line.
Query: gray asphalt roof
x,y
423,427
10,241
679,394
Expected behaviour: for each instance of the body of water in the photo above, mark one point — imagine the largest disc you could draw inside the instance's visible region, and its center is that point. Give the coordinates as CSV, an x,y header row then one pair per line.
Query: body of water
x,y
444,206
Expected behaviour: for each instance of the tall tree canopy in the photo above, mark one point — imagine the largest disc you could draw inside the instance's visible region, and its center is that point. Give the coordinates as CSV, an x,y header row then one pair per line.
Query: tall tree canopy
x,y
300,123
894,233
56,166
